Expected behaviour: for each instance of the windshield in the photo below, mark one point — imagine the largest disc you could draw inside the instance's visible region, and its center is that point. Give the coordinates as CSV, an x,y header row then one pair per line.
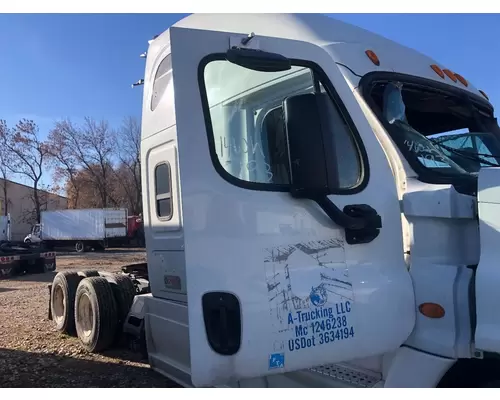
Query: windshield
x,y
419,118
472,150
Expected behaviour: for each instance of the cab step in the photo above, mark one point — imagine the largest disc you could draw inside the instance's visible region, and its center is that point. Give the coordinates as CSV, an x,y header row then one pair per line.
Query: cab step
x,y
347,375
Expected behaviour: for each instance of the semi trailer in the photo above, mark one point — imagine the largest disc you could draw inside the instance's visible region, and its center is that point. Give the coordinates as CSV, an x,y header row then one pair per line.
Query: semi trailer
x,y
302,229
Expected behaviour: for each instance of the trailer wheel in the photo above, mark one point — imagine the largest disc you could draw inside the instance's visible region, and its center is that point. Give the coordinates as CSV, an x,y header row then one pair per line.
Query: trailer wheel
x,y
62,301
95,314
88,273
79,247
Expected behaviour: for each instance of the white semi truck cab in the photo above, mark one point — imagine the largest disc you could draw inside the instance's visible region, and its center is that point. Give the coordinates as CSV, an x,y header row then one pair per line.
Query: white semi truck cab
x,y
34,235
302,230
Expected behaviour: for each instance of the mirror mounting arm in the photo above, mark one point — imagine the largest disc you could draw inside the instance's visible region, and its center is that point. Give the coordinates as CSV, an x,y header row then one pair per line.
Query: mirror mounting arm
x,y
361,222
338,216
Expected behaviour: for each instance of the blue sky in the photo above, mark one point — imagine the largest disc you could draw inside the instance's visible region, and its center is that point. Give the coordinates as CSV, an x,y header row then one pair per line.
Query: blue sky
x,y
56,65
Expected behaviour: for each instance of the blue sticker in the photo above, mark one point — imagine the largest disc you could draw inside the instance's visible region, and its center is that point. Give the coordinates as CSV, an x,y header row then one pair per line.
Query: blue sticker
x,y
277,360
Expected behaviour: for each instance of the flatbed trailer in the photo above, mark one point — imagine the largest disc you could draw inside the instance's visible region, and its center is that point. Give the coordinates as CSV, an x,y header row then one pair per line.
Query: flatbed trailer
x,y
18,258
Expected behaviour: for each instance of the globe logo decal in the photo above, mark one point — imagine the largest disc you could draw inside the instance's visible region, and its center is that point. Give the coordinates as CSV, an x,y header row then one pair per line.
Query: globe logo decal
x,y
318,296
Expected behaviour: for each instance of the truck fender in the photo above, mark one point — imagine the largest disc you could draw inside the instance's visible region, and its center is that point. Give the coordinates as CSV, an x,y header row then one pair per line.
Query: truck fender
x,y
133,326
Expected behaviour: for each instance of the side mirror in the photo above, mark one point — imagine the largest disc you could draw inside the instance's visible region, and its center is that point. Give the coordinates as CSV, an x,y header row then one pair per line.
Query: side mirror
x,y
306,145
313,168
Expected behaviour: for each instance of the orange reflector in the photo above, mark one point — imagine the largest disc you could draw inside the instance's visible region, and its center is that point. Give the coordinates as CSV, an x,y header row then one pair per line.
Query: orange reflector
x,y
431,310
462,80
437,70
373,57
484,94
450,75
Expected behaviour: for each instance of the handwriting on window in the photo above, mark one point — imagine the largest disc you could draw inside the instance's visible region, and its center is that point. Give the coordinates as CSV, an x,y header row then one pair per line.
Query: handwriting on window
x,y
425,151
231,152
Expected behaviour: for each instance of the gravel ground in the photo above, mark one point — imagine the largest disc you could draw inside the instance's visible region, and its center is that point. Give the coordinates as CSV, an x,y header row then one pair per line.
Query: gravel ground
x,y
34,354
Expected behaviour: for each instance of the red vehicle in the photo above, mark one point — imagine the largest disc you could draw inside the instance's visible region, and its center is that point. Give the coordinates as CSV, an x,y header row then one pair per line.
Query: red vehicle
x,y
135,230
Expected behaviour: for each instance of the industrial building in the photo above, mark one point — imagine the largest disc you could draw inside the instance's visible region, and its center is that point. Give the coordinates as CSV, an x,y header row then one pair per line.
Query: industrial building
x,y
21,206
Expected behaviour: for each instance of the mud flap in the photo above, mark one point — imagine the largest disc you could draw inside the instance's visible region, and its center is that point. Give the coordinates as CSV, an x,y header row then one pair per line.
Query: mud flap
x,y
50,298
49,262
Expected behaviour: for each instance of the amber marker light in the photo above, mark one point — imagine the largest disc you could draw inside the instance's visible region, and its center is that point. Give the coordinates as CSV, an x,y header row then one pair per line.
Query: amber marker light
x,y
431,310
373,57
450,75
462,80
437,70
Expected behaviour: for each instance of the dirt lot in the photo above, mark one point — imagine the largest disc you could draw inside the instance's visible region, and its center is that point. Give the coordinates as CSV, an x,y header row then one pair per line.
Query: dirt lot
x,y
34,354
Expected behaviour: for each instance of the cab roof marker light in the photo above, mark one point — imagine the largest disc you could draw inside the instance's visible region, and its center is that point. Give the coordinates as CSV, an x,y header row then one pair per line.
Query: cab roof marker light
x,y
484,95
462,80
373,57
437,70
450,75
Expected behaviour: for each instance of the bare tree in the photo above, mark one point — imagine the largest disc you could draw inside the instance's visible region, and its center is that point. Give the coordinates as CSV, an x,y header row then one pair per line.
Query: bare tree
x,y
27,154
4,175
101,167
65,163
129,154
89,148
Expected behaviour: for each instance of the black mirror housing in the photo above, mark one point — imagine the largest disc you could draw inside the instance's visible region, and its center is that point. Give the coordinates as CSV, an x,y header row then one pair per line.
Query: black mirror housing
x,y
304,120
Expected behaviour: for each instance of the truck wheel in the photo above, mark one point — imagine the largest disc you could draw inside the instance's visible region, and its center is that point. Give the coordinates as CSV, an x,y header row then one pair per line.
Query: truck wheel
x,y
62,301
79,247
88,273
95,314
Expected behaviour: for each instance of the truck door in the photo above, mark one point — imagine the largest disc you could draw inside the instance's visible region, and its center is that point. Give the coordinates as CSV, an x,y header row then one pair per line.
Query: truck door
x,y
273,284
487,295
36,233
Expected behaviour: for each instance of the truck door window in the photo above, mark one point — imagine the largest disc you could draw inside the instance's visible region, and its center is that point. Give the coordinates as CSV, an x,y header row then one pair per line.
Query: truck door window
x,y
163,191
246,124
272,135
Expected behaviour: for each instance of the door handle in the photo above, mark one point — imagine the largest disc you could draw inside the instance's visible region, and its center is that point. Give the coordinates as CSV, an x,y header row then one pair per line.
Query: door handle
x,y
222,317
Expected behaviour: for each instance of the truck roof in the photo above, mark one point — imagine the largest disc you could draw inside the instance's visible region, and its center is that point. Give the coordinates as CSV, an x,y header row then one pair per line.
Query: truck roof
x,y
345,42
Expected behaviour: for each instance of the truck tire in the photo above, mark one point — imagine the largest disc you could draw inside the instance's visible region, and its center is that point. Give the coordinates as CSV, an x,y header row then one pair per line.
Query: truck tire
x,y
88,273
62,301
124,292
95,314
80,247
